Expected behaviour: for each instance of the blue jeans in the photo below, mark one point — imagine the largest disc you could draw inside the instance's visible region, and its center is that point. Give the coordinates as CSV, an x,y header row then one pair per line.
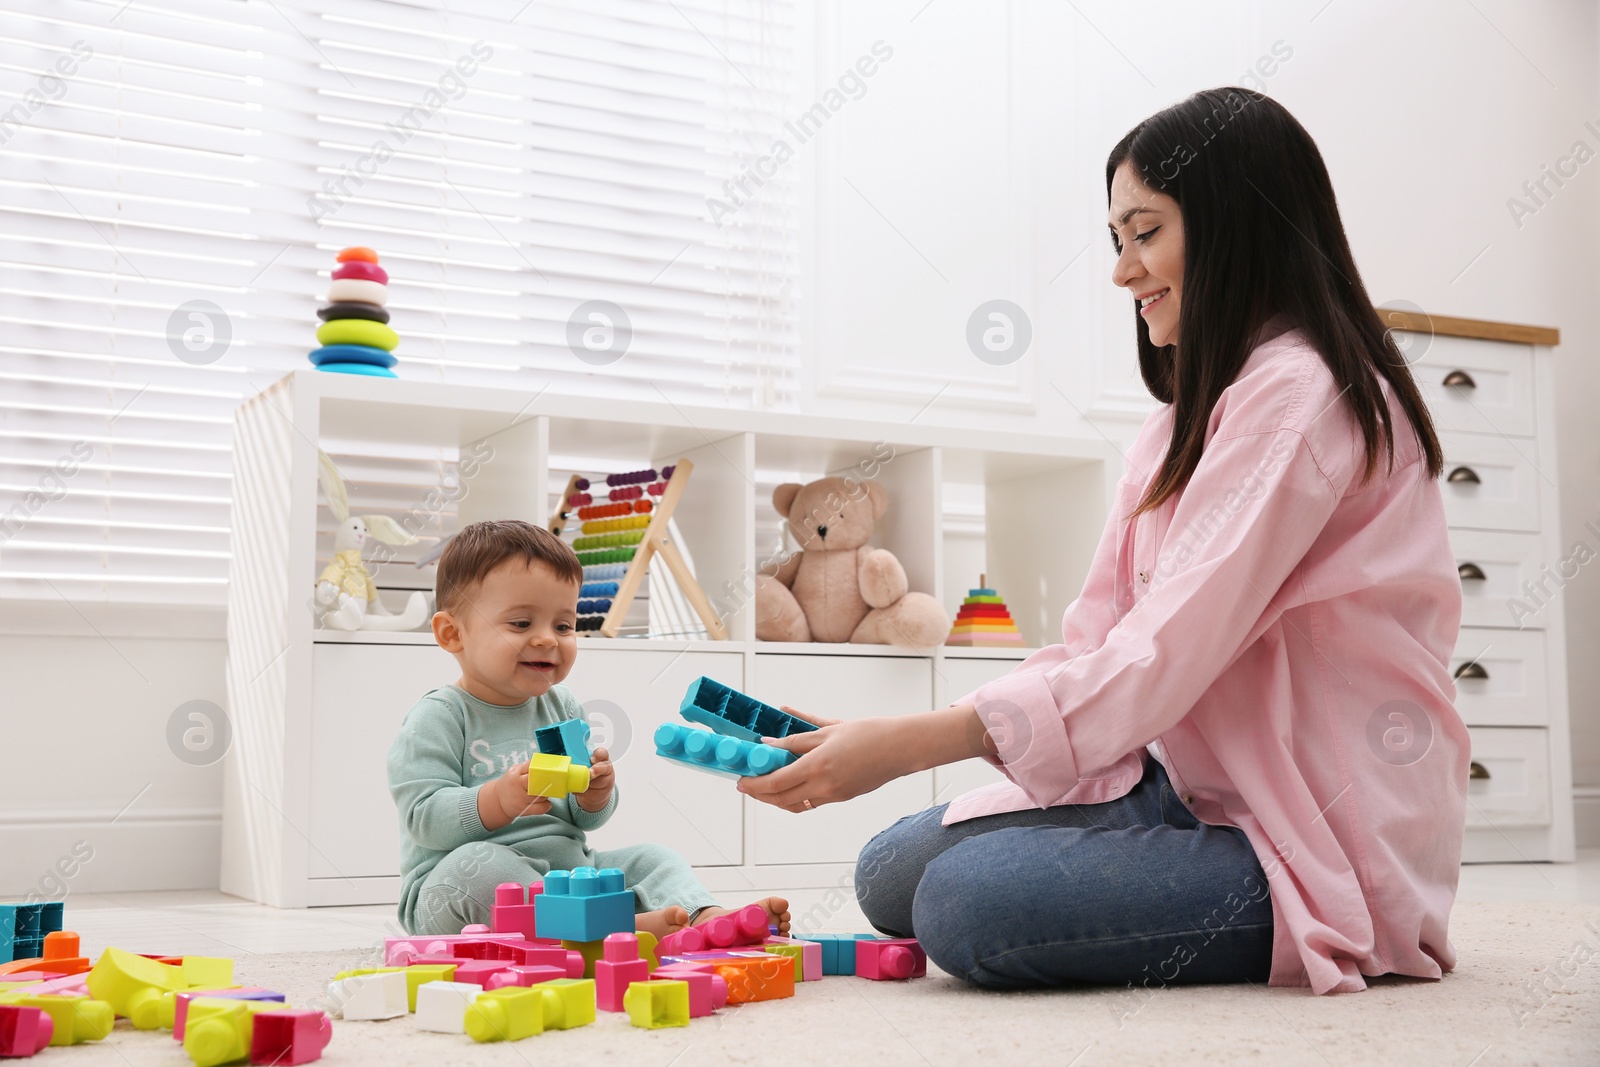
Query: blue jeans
x,y
1135,890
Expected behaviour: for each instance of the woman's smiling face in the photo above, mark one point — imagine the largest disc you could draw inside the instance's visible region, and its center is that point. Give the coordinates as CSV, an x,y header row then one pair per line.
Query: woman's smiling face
x,y
1147,232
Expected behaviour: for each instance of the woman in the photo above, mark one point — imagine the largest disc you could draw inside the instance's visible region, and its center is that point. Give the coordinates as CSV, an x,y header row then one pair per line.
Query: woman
x,y
1242,761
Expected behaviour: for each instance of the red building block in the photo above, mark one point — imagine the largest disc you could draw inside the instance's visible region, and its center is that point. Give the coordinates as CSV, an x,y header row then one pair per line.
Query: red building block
x,y
285,1038
24,1031
890,958
620,967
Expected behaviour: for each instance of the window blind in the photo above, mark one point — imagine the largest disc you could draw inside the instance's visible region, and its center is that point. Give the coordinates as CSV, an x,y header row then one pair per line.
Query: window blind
x,y
175,177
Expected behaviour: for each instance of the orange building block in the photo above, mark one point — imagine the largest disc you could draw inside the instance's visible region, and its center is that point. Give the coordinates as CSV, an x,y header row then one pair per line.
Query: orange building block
x,y
755,977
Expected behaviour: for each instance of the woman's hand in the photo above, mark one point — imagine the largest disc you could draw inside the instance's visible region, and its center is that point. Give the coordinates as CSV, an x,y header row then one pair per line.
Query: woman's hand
x,y
837,762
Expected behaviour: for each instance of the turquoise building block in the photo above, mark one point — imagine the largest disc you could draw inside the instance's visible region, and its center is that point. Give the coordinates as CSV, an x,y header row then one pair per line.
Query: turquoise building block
x,y
731,713
584,904
726,757
569,738
23,926
838,951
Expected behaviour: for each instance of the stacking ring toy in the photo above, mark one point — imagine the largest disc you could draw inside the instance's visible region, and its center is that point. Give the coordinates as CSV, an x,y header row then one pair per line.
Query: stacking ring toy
x,y
352,310
357,253
377,357
357,289
360,268
358,332
359,368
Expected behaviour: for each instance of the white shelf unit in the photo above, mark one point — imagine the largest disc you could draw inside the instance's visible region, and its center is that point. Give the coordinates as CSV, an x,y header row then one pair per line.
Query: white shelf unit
x,y
307,815
1506,524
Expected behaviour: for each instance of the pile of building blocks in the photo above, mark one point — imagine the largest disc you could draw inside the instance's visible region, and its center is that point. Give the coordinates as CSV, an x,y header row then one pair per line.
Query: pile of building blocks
x,y
54,996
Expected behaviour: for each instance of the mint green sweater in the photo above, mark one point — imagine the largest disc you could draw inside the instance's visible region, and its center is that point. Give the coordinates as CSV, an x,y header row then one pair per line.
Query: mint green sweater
x,y
450,744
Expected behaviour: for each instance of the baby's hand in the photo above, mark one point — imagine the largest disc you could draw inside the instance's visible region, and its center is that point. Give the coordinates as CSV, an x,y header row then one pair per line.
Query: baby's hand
x,y
602,780
511,788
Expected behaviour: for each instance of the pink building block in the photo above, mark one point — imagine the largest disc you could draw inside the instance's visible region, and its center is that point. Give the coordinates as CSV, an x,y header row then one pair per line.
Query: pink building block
x,y
180,1001
747,926
63,985
890,958
707,991
689,939
24,1031
620,967
400,951
513,909
477,971
284,1038
526,976
810,956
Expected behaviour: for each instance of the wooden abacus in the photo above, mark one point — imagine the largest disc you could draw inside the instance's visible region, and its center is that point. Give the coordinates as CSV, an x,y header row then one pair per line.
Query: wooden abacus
x,y
621,533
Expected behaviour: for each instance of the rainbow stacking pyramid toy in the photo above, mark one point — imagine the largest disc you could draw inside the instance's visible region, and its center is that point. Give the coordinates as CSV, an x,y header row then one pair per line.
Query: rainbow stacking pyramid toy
x,y
983,620
355,335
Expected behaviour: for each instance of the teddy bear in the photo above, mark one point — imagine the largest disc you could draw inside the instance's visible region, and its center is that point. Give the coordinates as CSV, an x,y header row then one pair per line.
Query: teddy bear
x,y
837,587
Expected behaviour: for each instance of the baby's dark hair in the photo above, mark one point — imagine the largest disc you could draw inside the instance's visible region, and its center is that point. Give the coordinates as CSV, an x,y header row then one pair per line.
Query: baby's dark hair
x,y
483,546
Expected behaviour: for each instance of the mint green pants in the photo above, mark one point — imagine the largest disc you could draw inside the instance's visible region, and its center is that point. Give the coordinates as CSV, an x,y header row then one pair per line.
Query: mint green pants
x,y
459,891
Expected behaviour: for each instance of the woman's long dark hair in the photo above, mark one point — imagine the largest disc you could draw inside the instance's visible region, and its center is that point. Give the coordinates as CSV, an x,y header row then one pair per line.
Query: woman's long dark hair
x,y
1261,235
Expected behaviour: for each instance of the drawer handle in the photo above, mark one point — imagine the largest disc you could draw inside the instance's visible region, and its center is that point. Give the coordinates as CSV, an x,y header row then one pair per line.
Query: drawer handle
x,y
1477,770
1461,378
1471,572
1464,474
1472,669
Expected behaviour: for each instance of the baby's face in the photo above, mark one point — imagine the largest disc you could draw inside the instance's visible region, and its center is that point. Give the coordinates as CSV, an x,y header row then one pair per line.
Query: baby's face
x,y
518,632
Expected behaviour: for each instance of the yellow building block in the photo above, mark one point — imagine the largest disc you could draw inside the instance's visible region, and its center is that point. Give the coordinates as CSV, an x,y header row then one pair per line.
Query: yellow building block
x,y
647,948
657,1003
218,1030
568,1002
555,776
793,952
590,951
77,1019
420,973
126,981
206,972
509,1013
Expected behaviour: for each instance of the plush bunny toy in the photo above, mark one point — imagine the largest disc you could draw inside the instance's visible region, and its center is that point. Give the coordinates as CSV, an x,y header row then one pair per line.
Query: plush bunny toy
x,y
346,595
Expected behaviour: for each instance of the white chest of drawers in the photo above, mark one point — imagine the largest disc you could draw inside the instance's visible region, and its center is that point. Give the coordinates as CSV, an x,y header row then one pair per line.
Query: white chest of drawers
x,y
1490,388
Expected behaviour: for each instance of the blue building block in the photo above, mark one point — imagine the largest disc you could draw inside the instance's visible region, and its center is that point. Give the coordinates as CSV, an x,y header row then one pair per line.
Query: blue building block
x,y
726,757
731,713
23,926
839,951
584,904
569,738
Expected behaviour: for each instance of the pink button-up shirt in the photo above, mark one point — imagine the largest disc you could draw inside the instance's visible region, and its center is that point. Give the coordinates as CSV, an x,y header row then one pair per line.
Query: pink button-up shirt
x,y
1278,634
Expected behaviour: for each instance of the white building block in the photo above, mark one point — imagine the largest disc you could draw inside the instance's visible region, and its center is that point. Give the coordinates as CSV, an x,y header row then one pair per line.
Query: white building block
x,y
442,1006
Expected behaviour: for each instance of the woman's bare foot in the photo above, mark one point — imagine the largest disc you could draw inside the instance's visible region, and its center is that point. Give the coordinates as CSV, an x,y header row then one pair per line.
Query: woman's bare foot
x,y
662,921
777,909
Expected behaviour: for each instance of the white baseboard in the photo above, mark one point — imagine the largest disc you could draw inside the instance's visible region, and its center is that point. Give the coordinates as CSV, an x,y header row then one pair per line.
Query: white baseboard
x,y
62,854
1586,815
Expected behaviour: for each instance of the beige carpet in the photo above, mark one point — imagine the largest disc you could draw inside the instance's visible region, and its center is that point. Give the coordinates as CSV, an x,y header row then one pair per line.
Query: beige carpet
x,y
1492,1010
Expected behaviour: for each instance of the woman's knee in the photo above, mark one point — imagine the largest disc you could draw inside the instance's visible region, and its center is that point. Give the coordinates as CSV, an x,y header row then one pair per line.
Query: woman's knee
x,y
888,869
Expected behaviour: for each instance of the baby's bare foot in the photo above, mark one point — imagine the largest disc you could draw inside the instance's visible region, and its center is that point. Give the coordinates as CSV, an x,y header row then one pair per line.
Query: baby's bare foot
x,y
662,921
777,909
